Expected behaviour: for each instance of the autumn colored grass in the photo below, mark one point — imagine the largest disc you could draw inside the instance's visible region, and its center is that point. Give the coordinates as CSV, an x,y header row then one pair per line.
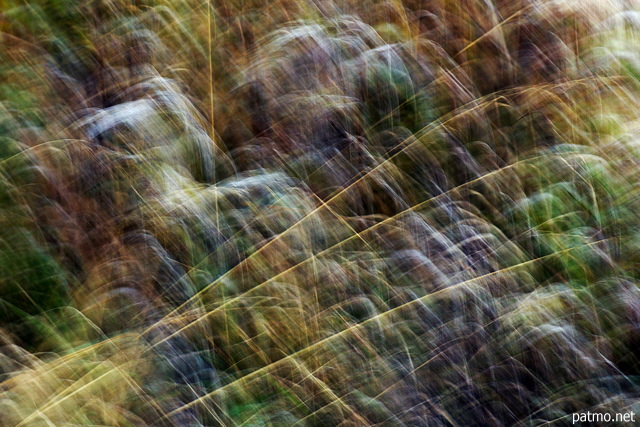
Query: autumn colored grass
x,y
318,213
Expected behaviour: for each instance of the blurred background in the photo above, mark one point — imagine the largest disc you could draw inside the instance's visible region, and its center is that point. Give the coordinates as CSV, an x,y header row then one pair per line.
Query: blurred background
x,y
318,212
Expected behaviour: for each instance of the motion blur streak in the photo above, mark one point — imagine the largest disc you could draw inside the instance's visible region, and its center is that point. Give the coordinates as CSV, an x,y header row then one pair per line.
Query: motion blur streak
x,y
305,212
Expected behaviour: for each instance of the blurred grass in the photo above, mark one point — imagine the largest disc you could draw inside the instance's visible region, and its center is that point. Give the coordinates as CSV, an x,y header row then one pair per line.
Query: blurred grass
x,y
318,213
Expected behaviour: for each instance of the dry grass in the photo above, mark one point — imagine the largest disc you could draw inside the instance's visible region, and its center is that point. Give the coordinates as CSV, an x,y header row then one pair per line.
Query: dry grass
x,y
318,213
